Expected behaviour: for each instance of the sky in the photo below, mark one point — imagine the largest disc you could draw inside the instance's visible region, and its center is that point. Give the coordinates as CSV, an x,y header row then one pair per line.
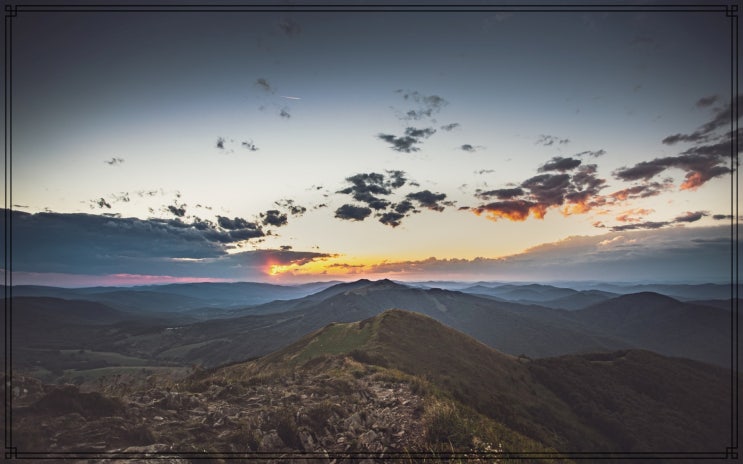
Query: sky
x,y
154,147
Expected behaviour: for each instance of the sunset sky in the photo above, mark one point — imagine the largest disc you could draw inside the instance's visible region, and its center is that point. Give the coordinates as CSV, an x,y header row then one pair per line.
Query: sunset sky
x,y
290,146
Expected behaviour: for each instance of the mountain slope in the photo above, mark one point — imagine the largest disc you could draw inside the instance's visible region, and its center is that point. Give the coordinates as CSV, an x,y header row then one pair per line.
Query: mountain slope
x,y
664,325
628,400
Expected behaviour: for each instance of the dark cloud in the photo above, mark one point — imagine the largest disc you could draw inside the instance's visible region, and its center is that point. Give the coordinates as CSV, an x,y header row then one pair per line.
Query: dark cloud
x,y
366,186
691,216
245,234
576,193
501,194
98,245
114,161
397,179
220,143
561,164
285,113
404,144
391,218
405,207
719,217
420,133
429,200
707,101
289,27
549,140
285,247
641,225
234,224
699,169
485,171
351,212
548,189
515,210
249,145
595,154
177,211
264,84
468,148
274,217
450,127
102,203
641,191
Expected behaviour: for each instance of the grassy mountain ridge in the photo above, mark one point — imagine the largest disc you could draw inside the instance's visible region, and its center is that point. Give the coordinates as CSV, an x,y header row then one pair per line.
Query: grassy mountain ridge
x,y
572,402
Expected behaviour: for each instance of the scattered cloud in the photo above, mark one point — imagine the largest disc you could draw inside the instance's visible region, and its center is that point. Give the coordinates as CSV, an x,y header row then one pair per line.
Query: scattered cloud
x,y
249,145
290,206
450,127
114,161
549,140
485,171
284,113
375,193
220,143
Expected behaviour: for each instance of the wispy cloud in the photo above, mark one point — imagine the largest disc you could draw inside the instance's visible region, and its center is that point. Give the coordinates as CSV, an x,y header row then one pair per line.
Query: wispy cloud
x,y
114,161
426,105
289,27
549,140
263,84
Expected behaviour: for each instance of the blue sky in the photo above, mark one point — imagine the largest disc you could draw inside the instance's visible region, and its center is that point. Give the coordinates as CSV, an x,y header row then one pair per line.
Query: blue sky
x,y
296,146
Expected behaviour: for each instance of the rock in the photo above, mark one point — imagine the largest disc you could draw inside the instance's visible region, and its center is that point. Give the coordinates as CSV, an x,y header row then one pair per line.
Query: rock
x,y
271,442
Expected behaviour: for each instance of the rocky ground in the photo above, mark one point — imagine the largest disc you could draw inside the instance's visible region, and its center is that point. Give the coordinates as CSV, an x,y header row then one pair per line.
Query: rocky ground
x,y
306,411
